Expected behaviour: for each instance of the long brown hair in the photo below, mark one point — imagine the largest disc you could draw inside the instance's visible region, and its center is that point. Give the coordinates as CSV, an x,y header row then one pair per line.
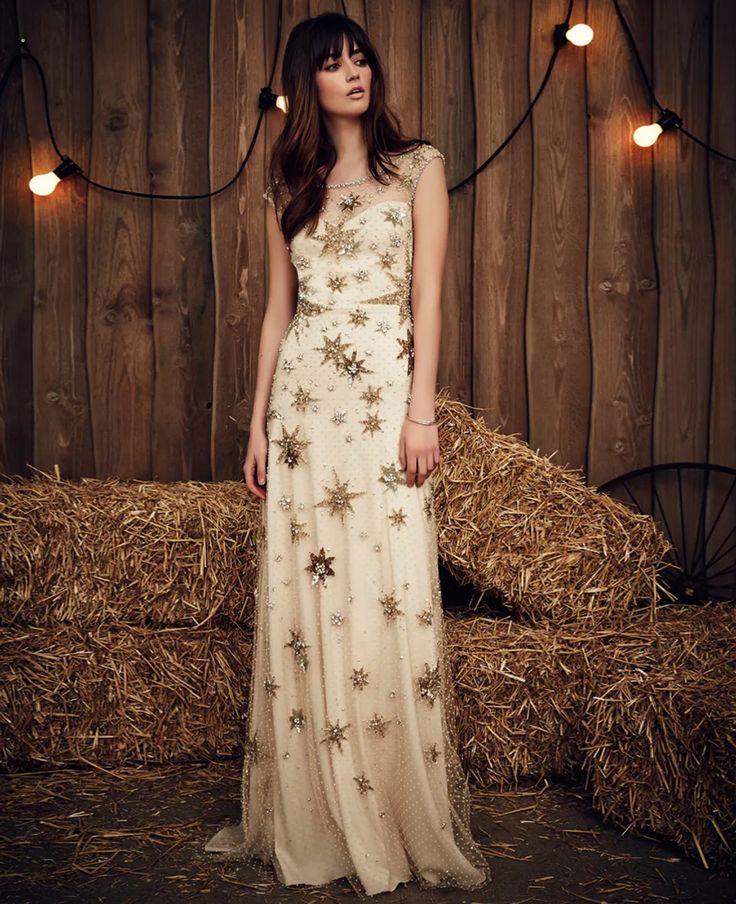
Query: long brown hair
x,y
303,154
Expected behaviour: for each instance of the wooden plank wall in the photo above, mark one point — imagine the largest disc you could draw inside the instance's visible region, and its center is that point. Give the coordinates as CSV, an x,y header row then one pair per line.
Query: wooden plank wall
x,y
589,293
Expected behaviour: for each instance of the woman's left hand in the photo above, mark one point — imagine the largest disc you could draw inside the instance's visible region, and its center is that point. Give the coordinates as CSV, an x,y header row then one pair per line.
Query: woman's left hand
x,y
419,451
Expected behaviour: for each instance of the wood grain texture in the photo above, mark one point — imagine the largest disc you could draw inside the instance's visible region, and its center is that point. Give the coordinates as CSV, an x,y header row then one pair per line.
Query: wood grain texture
x,y
588,303
16,264
61,412
120,350
182,291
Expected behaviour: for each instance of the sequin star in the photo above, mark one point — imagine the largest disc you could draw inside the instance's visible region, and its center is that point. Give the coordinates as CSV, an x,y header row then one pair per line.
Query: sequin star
x,y
407,348
332,349
302,399
390,606
429,683
349,202
297,719
425,616
336,282
296,530
352,367
364,786
334,734
338,241
292,448
358,317
373,423
372,396
431,753
339,498
320,567
397,518
378,725
337,618
299,647
395,216
359,678
390,476
269,683
387,260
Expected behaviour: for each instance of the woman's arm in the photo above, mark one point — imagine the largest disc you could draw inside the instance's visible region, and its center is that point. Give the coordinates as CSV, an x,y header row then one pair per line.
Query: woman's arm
x,y
280,308
431,216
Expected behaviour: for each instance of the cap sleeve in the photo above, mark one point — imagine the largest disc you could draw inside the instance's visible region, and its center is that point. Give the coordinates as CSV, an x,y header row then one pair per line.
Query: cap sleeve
x,y
418,160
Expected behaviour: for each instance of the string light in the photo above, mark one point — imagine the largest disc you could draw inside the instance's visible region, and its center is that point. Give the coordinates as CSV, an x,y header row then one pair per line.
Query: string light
x,y
578,35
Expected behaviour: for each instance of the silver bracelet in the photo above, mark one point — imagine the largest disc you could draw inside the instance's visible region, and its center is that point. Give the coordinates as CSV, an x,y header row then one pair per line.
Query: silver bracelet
x,y
423,423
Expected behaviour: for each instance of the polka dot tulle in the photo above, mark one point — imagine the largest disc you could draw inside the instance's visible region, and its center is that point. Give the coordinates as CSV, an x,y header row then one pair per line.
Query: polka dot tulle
x,y
350,768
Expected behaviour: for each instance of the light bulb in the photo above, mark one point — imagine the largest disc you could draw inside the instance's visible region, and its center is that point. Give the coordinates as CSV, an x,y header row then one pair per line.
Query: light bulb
x,y
645,136
579,34
44,183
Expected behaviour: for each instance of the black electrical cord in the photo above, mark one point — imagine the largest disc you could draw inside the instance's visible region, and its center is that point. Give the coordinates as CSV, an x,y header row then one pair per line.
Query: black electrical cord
x,y
267,97
667,114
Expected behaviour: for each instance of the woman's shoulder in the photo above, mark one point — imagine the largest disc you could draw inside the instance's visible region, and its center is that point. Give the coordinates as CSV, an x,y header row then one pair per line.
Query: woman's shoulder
x,y
411,163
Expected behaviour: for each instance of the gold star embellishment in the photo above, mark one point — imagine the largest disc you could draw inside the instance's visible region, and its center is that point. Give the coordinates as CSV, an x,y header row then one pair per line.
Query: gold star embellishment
x,y
270,685
429,683
338,240
332,349
395,216
372,423
372,396
338,498
292,448
302,399
398,518
352,367
349,202
387,260
425,616
431,753
378,725
407,348
390,606
320,567
336,283
390,476
297,719
358,317
334,734
364,786
299,647
359,678
295,528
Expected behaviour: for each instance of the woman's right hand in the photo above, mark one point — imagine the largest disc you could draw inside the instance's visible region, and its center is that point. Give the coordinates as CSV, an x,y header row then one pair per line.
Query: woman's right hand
x,y
256,457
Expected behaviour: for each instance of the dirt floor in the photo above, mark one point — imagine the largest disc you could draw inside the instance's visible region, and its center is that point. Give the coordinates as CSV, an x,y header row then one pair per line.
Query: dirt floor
x,y
138,835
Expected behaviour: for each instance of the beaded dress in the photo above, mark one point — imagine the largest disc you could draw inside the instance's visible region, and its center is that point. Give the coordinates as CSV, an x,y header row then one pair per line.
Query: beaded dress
x,y
350,768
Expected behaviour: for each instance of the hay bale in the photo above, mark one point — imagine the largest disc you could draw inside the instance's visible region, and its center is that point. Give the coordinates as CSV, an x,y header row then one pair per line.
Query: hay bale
x,y
660,729
135,552
121,695
555,551
518,693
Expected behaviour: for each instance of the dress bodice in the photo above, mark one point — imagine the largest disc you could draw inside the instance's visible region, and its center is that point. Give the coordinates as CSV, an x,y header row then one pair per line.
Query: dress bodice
x,y
362,248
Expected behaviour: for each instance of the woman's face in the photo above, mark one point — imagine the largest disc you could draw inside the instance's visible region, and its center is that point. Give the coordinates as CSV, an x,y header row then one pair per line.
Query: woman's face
x,y
337,77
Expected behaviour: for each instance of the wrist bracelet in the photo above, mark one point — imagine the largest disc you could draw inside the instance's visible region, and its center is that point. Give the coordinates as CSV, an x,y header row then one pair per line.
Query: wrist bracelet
x,y
423,423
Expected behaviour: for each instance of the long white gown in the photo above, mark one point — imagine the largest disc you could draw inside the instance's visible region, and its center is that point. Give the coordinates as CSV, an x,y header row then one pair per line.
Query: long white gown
x,y
350,768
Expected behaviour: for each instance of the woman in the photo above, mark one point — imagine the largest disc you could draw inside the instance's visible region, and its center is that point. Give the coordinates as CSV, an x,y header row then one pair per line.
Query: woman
x,y
350,768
